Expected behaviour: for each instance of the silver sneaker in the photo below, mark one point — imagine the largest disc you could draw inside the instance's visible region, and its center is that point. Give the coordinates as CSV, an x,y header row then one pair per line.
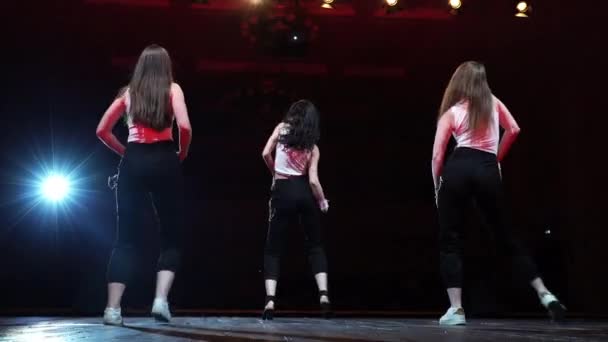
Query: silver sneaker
x,y
160,310
112,316
454,316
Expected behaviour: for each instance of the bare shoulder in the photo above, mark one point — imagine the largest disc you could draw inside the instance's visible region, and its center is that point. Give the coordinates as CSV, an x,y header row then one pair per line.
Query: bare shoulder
x,y
122,92
316,151
176,89
123,97
450,113
282,128
447,118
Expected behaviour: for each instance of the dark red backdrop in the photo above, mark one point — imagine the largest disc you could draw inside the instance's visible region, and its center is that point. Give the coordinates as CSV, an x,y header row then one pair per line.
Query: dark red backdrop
x,y
377,80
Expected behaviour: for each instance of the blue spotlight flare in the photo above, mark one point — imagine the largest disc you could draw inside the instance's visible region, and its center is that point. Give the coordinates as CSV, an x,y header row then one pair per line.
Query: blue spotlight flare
x,y
55,188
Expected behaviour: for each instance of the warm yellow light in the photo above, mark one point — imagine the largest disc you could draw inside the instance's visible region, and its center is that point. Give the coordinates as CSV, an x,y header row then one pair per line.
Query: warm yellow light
x,y
392,2
455,4
255,2
522,6
327,4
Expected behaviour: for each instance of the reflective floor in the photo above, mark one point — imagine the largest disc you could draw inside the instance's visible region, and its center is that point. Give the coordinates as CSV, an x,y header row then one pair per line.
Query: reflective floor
x,y
295,329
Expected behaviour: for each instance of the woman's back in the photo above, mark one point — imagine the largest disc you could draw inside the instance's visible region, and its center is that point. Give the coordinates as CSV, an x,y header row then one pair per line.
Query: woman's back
x,y
484,138
291,162
141,133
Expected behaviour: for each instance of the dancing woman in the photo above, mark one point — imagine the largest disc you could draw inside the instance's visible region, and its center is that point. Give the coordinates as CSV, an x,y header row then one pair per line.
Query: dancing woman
x,y
149,166
296,193
473,115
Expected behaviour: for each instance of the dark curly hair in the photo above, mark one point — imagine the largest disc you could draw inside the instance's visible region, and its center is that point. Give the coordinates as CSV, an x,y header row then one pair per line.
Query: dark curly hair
x,y
302,131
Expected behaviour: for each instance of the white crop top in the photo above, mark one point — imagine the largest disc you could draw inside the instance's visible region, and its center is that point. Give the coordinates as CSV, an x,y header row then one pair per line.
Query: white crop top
x,y
291,162
481,139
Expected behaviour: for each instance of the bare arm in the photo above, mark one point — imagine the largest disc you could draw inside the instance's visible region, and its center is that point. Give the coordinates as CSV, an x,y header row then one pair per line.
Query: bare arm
x,y
107,123
313,179
183,122
511,129
442,137
271,144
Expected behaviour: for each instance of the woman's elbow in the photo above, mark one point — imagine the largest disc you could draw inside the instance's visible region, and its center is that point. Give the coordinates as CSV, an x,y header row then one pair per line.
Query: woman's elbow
x,y
185,129
514,130
101,133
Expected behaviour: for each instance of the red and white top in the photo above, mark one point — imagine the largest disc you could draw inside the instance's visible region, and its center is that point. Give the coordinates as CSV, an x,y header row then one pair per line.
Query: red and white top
x,y
291,162
481,139
142,134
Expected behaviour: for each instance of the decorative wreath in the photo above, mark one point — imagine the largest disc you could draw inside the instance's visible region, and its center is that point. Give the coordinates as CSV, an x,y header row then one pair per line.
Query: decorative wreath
x,y
272,27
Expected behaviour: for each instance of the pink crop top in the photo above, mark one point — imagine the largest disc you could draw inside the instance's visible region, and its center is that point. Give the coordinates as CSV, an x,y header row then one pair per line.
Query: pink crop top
x,y
482,139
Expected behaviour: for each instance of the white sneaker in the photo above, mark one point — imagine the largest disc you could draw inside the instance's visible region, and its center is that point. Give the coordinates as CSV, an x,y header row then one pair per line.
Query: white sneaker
x,y
160,310
454,316
552,304
112,316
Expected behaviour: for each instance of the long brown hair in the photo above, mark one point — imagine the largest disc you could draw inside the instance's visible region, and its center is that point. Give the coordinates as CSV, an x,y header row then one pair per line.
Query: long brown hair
x,y
469,83
150,89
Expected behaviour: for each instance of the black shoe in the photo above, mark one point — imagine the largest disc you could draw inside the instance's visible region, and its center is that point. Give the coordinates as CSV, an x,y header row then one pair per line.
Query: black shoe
x,y
325,306
556,310
268,314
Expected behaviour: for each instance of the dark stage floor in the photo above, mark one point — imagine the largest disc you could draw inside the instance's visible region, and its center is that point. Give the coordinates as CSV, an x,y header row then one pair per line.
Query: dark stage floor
x,y
294,329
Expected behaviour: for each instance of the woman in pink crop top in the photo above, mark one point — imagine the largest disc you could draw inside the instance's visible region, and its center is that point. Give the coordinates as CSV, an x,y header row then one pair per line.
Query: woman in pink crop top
x,y
471,114
149,166
296,193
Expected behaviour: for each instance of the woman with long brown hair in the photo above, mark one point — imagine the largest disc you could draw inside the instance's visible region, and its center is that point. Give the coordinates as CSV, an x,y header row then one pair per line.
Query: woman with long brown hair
x,y
472,114
149,166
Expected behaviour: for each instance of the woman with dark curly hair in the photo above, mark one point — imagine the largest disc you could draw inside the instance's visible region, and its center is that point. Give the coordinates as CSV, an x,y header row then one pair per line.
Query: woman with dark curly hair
x,y
296,193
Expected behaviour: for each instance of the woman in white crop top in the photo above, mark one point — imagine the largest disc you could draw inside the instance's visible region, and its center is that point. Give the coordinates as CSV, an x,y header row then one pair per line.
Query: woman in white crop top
x,y
296,193
472,115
